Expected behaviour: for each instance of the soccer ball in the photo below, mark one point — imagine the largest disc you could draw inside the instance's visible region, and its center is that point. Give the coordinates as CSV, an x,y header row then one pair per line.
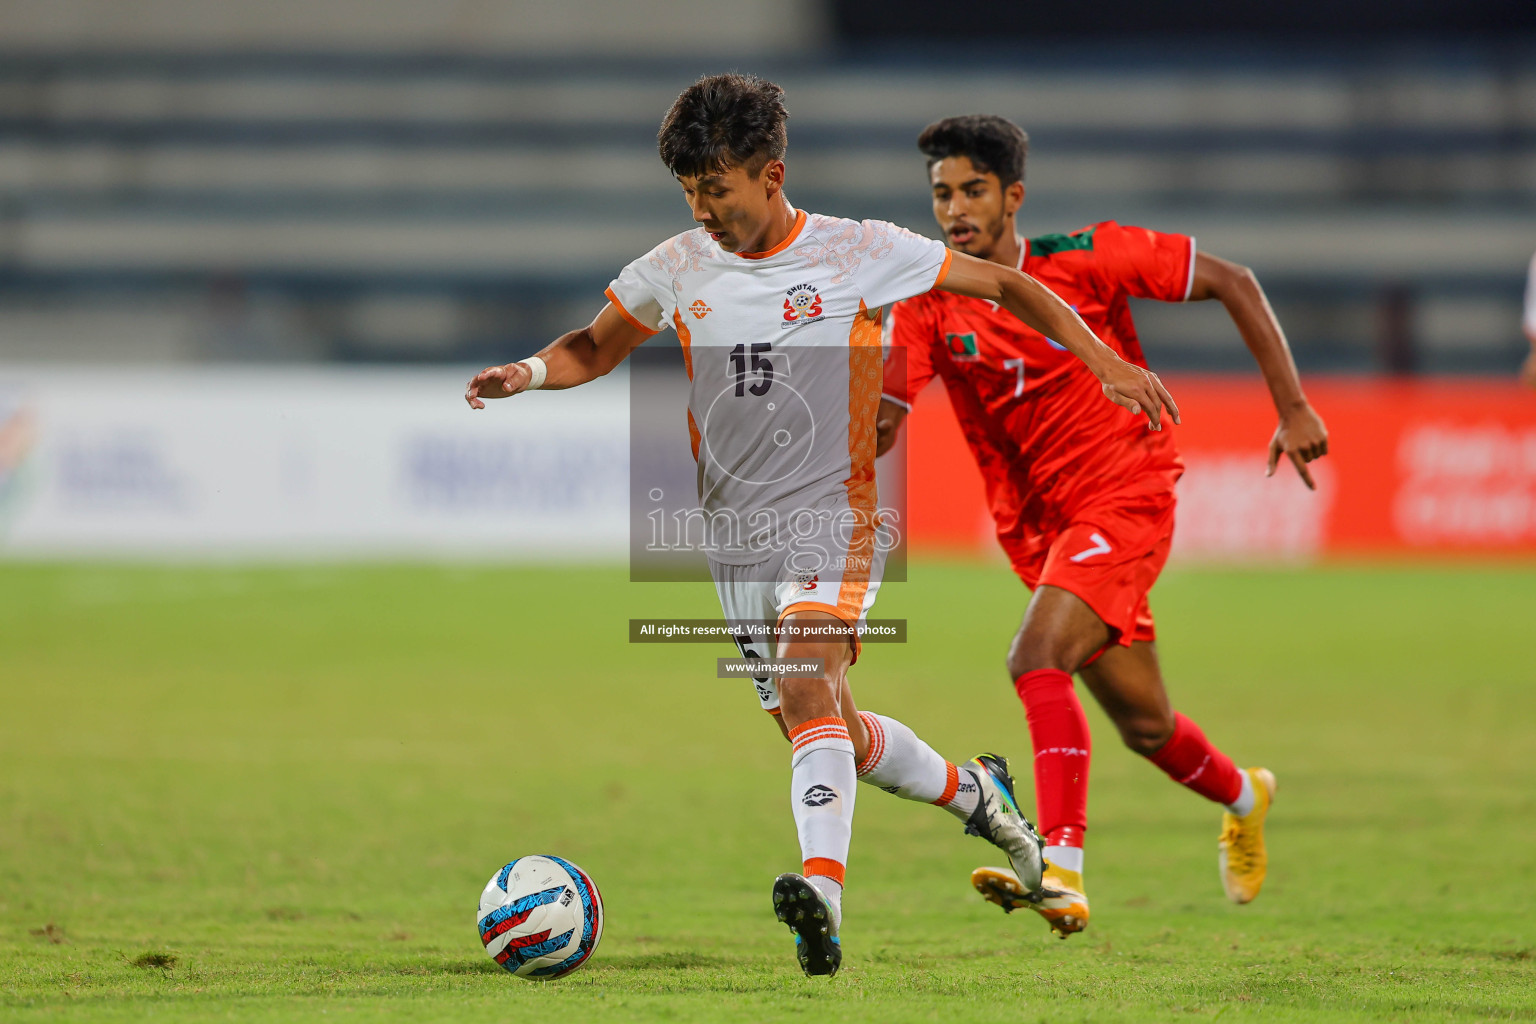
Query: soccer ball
x,y
540,917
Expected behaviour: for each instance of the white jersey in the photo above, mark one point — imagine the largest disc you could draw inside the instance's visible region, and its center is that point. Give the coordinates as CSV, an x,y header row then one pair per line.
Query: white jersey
x,y
783,351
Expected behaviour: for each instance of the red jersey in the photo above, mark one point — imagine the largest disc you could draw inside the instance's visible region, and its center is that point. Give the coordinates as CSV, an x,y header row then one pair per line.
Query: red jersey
x,y
1047,441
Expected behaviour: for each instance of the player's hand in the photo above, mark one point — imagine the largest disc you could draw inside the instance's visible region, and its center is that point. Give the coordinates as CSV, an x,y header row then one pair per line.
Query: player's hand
x,y
1528,370
1139,390
497,382
1302,437
887,424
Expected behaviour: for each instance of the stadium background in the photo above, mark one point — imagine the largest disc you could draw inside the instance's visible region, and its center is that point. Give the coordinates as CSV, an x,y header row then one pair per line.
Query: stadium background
x,y
284,199
249,253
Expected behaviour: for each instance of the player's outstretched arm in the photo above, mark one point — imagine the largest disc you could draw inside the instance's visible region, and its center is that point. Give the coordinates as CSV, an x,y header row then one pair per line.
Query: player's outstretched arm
x,y
1138,389
570,359
1301,435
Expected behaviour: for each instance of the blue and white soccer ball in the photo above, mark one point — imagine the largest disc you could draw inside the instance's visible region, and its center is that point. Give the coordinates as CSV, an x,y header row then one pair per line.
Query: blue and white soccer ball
x,y
540,917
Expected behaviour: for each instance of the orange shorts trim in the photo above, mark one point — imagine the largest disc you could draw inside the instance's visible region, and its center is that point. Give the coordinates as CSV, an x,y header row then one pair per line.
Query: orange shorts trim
x,y
832,610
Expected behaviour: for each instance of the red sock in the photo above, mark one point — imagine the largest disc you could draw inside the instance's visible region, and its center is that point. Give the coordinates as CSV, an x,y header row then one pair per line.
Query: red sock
x,y
1192,760
1058,729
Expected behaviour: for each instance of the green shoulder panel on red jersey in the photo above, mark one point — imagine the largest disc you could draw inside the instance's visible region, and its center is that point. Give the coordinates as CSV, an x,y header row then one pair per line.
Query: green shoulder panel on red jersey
x,y
1050,245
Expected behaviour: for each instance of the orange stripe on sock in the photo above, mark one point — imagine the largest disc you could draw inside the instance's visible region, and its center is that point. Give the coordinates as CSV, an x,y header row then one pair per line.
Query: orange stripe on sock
x,y
876,743
951,784
839,730
814,723
820,735
824,866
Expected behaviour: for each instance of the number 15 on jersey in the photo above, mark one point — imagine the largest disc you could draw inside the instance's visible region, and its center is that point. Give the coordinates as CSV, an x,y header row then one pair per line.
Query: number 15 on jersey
x,y
762,368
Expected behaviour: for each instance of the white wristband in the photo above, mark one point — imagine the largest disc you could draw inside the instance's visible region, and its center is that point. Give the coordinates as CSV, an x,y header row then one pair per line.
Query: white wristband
x,y
537,372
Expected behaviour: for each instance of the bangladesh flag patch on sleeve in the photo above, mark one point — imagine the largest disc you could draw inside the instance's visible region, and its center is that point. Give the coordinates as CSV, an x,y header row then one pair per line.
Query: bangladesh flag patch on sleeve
x,y
1050,245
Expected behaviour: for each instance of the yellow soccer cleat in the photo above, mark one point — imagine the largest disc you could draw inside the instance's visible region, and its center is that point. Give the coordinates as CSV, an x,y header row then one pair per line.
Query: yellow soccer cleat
x,y
1244,861
1060,898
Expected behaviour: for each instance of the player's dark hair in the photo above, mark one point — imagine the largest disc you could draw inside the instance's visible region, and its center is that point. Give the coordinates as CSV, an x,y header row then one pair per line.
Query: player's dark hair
x,y
992,143
724,121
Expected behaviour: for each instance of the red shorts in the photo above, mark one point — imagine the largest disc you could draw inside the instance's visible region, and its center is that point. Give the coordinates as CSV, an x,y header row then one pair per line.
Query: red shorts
x,y
1109,555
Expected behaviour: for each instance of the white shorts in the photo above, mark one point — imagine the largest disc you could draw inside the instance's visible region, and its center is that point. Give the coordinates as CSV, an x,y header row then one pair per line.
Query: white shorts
x,y
760,593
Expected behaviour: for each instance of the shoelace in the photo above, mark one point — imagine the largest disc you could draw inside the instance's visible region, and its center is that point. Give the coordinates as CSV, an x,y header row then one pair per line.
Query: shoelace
x,y
1239,852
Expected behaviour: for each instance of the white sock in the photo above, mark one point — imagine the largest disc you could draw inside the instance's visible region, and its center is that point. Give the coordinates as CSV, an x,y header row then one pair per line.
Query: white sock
x,y
822,785
1243,805
832,889
901,763
1068,858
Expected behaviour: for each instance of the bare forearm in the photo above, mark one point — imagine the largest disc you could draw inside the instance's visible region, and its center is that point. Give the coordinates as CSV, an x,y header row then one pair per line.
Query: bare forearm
x,y
575,358
1042,309
569,360
1249,309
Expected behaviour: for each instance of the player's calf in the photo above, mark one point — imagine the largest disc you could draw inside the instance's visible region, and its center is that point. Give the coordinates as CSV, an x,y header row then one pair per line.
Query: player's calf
x,y
1145,734
1193,761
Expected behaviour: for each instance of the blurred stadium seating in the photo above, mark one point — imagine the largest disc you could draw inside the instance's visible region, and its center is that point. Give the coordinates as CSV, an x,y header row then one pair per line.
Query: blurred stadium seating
x,y
185,186
186,195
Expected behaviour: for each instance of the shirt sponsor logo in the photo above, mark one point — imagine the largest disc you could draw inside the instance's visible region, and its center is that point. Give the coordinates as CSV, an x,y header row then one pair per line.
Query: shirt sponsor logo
x,y
802,305
699,309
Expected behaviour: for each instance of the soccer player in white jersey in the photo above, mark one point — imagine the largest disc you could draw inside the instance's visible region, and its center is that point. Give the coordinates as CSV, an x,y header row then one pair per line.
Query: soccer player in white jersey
x,y
778,314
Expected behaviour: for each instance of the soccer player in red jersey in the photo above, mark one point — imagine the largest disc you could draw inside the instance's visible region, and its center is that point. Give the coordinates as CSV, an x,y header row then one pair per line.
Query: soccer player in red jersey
x,y
1082,493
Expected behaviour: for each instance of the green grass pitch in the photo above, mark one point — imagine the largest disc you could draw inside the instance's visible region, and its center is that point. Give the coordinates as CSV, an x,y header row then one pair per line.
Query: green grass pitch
x,y
275,794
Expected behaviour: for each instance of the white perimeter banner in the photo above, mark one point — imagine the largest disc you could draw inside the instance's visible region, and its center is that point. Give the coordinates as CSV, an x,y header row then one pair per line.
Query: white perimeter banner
x,y
346,463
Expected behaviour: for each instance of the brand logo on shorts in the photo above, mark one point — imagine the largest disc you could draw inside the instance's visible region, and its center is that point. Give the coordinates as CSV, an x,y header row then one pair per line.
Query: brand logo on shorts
x,y
699,309
802,305
818,796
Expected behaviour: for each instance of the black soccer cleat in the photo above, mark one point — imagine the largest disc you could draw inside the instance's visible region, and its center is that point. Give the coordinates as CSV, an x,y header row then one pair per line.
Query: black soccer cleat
x,y
801,905
998,820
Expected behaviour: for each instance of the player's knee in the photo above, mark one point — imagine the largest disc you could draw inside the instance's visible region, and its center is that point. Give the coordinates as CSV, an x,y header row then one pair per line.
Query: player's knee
x,y
1146,734
1029,654
809,696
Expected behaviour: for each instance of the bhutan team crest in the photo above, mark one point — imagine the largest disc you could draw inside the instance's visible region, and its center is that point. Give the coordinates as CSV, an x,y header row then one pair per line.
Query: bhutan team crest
x,y
802,304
